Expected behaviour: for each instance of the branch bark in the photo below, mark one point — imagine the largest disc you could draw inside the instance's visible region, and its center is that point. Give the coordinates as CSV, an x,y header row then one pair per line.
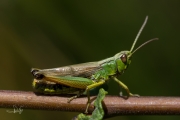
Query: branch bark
x,y
113,105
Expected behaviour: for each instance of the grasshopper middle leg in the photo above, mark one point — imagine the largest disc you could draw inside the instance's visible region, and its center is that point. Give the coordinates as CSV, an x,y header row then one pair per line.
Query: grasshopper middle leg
x,y
88,95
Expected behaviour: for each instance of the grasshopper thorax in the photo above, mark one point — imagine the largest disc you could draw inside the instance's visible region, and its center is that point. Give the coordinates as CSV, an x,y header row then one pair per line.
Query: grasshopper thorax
x,y
123,60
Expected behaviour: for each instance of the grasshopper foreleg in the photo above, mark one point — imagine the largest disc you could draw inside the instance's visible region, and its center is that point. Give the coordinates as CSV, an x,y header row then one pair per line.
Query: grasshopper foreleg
x,y
125,87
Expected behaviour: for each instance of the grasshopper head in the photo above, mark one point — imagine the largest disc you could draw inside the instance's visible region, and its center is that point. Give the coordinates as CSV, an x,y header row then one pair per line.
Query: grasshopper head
x,y
123,59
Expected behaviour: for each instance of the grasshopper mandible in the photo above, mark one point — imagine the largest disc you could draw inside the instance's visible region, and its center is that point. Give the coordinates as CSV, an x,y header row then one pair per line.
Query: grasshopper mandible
x,y
86,76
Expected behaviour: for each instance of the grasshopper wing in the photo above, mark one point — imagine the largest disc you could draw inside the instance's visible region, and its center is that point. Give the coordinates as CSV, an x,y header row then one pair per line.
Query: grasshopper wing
x,y
78,70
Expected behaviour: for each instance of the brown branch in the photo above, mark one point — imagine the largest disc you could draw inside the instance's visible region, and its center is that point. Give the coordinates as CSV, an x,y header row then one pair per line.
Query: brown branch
x,y
113,105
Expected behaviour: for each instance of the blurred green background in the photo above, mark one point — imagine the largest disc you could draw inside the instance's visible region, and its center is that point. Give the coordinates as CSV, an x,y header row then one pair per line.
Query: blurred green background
x,y
48,34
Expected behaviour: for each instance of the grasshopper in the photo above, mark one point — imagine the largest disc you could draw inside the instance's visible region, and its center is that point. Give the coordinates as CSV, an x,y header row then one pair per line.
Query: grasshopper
x,y
86,76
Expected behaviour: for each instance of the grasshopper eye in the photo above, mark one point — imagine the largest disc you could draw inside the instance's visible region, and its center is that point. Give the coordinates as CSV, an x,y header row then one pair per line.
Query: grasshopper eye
x,y
124,58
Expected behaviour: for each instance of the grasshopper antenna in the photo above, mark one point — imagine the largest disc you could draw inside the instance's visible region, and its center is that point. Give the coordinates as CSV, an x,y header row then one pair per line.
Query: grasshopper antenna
x,y
144,44
142,27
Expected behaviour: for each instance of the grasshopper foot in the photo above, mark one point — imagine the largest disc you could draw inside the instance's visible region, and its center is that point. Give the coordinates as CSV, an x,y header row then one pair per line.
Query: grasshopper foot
x,y
129,95
87,106
134,95
121,94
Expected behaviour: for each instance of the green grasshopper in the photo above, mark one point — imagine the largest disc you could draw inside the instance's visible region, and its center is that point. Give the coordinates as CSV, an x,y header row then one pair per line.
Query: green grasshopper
x,y
84,77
